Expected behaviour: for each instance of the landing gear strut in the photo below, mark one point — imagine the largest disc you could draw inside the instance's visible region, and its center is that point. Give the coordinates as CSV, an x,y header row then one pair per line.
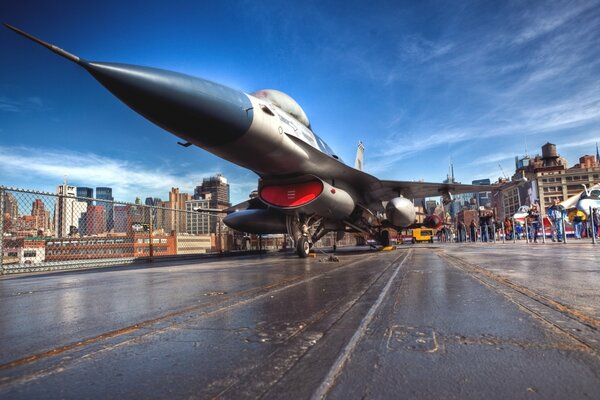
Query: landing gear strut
x,y
384,238
300,228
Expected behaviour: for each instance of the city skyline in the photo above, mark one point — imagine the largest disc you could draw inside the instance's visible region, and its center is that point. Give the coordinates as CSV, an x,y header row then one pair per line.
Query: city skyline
x,y
429,83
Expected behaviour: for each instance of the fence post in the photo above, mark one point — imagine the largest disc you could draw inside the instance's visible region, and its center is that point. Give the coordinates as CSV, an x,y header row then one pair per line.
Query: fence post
x,y
151,229
219,234
526,231
564,226
543,228
591,218
1,231
514,231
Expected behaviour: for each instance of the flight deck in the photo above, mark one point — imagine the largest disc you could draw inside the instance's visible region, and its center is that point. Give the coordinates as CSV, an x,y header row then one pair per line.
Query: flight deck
x,y
466,321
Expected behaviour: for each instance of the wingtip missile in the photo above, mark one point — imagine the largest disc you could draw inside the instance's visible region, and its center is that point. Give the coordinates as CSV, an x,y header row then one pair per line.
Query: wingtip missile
x,y
51,47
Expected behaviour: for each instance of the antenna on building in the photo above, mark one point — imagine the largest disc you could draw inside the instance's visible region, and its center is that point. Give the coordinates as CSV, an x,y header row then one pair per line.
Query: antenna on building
x,y
597,154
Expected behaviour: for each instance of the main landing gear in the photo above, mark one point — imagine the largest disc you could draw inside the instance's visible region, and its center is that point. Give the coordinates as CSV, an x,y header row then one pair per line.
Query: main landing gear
x,y
383,237
303,247
305,230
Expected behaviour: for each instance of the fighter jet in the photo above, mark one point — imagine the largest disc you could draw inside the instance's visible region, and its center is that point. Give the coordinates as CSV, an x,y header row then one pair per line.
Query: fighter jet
x,y
305,190
584,200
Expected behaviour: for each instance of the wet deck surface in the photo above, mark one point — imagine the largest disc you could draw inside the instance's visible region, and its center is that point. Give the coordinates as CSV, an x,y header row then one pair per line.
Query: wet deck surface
x,y
457,321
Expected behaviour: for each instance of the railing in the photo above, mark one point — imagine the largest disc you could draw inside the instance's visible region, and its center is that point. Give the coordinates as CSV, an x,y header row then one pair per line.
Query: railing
x,y
561,230
46,231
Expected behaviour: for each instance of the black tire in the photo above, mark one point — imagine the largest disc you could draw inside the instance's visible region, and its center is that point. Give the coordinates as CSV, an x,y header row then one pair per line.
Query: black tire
x,y
414,240
303,247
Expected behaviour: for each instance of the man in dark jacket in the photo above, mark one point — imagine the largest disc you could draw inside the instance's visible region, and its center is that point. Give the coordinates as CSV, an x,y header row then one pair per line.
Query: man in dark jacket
x,y
534,217
473,231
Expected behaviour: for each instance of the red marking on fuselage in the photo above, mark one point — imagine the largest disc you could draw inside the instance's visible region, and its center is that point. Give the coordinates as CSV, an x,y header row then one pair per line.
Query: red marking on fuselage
x,y
293,195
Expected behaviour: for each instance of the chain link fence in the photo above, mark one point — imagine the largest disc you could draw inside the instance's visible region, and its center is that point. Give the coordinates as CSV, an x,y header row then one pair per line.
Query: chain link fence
x,y
46,231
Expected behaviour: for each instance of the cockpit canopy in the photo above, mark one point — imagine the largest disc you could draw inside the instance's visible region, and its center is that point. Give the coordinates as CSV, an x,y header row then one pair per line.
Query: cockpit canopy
x,y
593,194
285,102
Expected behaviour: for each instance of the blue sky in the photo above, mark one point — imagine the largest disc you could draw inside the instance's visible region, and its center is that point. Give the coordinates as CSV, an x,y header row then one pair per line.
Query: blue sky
x,y
420,83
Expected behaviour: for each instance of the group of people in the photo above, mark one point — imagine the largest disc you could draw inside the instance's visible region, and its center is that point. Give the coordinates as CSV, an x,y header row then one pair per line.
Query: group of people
x,y
582,225
557,217
489,229
534,220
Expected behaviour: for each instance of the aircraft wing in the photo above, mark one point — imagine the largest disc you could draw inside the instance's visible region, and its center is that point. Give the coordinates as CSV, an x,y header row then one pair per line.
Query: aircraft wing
x,y
375,190
386,190
572,201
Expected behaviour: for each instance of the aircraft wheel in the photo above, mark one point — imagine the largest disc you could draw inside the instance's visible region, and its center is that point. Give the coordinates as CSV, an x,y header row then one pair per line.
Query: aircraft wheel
x,y
303,247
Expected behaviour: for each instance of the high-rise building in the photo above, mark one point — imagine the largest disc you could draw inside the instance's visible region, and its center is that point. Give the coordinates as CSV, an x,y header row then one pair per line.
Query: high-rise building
x,y
41,215
198,223
484,199
68,211
105,193
152,201
95,220
216,190
11,211
169,220
121,212
85,192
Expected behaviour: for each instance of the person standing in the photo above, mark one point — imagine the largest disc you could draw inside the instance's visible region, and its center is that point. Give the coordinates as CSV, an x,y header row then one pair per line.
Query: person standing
x,y
577,219
555,214
462,231
473,230
508,231
596,218
483,225
534,215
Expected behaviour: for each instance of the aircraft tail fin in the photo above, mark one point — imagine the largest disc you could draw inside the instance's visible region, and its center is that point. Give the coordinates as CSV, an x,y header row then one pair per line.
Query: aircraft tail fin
x,y
360,153
49,46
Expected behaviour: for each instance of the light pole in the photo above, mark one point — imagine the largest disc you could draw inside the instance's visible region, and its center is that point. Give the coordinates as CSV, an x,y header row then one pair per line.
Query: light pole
x,y
1,231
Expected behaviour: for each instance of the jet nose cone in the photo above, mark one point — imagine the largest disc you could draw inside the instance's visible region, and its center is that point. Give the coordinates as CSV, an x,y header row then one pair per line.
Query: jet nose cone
x,y
202,112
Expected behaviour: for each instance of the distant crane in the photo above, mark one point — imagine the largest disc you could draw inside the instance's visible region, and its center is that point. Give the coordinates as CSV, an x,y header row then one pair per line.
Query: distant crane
x,y
503,173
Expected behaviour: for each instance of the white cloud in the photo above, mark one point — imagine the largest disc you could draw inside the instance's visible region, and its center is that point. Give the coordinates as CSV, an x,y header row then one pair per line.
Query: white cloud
x,y
547,19
240,188
17,105
127,179
580,143
492,158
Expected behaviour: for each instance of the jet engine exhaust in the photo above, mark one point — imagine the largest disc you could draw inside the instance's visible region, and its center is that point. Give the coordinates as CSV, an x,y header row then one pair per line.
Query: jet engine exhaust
x,y
433,221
